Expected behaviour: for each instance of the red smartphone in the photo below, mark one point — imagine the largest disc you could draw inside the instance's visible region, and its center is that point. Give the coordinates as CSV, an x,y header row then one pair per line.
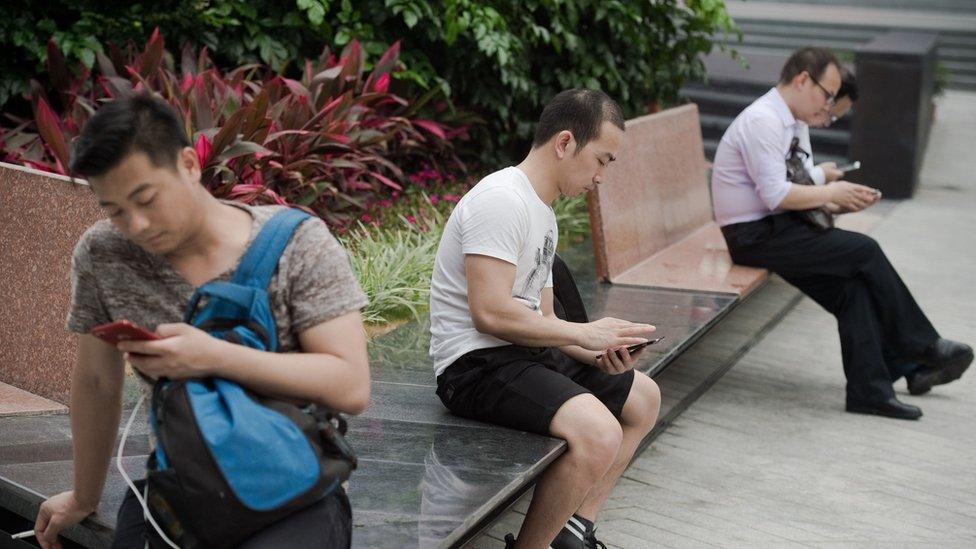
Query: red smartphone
x,y
122,330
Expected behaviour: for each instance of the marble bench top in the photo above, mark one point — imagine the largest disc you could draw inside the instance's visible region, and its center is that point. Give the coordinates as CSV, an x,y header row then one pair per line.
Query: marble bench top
x,y
426,478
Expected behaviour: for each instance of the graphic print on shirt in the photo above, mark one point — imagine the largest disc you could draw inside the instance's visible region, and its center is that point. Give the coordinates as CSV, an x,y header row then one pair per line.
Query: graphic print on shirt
x,y
536,279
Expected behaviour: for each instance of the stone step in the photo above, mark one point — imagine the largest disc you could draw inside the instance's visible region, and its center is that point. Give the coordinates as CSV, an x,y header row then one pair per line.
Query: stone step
x,y
711,145
960,68
953,53
794,42
955,45
783,28
785,39
825,141
964,6
852,32
853,16
962,82
715,100
842,25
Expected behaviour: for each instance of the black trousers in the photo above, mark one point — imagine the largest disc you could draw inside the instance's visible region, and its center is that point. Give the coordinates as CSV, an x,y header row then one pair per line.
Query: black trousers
x,y
881,326
326,524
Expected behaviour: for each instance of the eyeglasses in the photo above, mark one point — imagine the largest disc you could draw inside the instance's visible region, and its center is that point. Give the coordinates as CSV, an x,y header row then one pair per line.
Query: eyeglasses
x,y
831,97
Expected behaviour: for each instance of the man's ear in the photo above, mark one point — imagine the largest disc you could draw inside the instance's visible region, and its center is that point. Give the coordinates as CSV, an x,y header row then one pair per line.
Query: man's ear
x,y
565,144
189,163
801,79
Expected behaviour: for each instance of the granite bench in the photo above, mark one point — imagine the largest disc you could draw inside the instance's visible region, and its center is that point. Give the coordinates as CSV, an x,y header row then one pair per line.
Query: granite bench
x,y
426,478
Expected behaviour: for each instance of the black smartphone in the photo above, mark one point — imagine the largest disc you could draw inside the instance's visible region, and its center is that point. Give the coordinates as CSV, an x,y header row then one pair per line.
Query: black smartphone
x,y
639,346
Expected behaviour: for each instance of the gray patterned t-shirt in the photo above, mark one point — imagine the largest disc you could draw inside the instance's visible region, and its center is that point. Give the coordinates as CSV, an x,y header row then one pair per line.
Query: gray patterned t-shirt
x,y
112,279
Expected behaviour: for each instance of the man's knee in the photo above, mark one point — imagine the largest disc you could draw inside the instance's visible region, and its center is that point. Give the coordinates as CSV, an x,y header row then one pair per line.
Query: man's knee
x,y
643,404
594,435
866,248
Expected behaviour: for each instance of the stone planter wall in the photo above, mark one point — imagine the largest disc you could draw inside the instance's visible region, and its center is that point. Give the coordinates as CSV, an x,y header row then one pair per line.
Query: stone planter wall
x,y
42,216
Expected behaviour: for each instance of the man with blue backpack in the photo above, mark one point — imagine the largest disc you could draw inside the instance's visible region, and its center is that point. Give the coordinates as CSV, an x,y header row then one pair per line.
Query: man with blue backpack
x,y
258,346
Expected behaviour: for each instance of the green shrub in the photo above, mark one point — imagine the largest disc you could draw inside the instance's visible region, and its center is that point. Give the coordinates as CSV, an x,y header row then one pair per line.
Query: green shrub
x,y
504,58
572,219
393,261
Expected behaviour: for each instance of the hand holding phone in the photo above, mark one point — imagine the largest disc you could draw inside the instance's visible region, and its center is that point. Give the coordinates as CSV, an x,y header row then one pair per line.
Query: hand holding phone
x,y
122,330
637,347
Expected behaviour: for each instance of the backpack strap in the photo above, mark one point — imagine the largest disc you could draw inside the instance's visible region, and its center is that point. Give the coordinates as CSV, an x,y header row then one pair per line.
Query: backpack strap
x,y
261,259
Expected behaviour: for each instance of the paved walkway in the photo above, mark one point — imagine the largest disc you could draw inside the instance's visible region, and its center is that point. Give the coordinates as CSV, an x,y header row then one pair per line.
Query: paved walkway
x,y
768,457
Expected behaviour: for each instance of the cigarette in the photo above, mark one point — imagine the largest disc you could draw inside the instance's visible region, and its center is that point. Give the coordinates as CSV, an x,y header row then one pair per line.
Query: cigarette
x,y
22,535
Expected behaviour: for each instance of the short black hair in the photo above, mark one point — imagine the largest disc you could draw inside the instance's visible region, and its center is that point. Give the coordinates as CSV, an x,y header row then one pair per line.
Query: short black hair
x,y
812,60
137,122
848,85
579,110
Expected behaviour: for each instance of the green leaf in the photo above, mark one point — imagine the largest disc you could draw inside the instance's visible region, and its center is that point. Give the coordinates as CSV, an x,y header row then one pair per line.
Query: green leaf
x,y
410,18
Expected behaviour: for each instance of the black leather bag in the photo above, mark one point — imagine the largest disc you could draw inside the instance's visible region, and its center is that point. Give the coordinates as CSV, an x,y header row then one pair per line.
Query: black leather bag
x,y
796,172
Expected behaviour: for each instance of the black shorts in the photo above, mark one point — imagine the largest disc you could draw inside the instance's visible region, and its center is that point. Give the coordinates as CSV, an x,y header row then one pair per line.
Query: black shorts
x,y
523,387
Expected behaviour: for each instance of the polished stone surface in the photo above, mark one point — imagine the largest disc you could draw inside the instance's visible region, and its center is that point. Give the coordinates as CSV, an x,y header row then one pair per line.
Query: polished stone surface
x,y
423,485
41,218
701,261
18,402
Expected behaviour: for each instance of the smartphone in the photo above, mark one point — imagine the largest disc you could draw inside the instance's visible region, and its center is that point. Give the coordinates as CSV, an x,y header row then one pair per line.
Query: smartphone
x,y
856,165
122,330
639,346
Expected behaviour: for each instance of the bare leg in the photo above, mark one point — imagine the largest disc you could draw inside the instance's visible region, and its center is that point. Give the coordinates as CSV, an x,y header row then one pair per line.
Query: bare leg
x,y
637,419
594,436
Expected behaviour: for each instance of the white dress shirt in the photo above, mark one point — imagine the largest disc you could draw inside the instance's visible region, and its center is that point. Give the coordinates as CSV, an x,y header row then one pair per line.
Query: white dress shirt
x,y
749,172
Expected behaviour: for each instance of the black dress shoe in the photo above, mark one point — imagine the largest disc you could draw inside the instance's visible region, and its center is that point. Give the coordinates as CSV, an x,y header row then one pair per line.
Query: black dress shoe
x,y
944,361
889,408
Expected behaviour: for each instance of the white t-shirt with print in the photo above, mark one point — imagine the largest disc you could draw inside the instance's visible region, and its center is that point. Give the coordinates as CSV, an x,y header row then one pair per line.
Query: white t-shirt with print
x,y
504,218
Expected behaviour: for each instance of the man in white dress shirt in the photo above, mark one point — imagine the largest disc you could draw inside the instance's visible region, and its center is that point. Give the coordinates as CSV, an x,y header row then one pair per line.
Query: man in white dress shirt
x,y
882,329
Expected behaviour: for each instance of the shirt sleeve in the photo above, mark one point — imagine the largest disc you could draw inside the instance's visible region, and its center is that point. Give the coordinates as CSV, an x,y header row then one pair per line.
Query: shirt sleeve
x,y
765,159
494,224
321,283
87,309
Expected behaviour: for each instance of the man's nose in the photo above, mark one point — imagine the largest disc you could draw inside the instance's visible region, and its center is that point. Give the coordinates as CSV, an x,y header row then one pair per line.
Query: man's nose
x,y
138,223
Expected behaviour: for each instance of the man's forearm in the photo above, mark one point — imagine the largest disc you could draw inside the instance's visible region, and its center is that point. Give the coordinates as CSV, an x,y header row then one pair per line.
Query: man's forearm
x,y
516,323
311,377
95,411
585,356
805,197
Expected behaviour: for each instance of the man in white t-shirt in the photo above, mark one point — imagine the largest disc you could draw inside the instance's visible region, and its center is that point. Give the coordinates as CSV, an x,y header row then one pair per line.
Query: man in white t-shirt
x,y
500,353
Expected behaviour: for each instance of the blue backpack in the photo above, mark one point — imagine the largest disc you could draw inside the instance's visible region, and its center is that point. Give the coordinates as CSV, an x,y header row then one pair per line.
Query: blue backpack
x,y
229,462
